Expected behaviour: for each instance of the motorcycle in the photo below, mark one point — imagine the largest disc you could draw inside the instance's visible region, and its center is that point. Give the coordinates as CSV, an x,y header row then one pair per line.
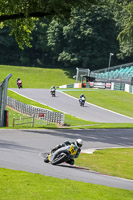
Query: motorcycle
x,y
61,155
19,83
53,93
82,101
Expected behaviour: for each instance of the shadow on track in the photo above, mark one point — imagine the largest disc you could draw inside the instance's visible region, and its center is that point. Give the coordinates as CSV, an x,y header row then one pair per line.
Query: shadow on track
x,y
123,137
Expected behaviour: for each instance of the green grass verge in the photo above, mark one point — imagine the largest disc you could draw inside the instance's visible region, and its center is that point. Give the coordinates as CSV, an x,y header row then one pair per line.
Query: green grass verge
x,y
115,162
33,77
118,101
18,185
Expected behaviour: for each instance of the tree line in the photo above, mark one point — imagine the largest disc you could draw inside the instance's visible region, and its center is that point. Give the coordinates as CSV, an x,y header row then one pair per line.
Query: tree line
x,y
76,35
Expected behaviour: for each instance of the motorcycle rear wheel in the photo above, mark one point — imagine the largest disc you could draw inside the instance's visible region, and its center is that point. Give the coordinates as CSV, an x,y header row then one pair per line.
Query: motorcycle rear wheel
x,y
59,159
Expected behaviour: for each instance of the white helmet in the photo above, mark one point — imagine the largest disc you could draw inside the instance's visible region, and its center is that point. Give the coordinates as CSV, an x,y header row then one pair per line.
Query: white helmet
x,y
79,142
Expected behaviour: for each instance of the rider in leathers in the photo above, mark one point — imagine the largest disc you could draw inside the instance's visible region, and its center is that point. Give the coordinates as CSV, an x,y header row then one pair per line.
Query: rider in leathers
x,y
52,89
78,144
82,96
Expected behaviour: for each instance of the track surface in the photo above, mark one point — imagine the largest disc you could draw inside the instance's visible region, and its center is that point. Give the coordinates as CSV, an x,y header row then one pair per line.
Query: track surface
x,y
20,150
71,106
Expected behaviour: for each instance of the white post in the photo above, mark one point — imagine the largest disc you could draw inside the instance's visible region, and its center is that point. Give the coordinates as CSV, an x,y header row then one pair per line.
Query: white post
x,y
111,54
77,75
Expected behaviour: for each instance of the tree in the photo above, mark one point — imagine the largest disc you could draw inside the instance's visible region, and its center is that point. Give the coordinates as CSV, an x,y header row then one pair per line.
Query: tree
x,y
40,53
17,9
20,15
86,40
124,20
9,51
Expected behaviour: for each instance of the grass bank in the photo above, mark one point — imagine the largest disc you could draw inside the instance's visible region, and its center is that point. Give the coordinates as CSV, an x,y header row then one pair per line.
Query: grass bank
x,y
115,162
20,185
34,77
118,101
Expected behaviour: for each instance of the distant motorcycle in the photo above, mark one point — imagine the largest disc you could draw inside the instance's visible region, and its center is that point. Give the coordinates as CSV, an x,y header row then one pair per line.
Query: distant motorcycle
x,y
53,93
82,101
19,83
61,155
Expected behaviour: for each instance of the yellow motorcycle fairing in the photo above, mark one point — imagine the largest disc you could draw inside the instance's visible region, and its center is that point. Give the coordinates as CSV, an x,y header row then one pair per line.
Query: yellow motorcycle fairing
x,y
72,150
49,156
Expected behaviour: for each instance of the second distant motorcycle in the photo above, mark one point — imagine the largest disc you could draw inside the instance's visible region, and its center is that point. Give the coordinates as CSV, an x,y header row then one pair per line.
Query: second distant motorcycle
x,y
53,93
82,101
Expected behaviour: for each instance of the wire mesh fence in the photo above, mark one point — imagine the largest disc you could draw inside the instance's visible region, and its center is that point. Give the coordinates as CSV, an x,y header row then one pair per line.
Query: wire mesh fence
x,y
47,115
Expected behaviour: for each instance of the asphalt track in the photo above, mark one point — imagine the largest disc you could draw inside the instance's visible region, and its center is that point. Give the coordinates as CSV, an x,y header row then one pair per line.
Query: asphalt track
x,y
70,105
21,149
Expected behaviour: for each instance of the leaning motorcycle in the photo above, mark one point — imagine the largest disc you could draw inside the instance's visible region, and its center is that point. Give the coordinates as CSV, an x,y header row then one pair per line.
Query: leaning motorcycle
x,y
61,155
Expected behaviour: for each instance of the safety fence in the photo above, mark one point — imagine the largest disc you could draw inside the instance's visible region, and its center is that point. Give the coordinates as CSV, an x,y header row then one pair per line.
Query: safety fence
x,y
47,115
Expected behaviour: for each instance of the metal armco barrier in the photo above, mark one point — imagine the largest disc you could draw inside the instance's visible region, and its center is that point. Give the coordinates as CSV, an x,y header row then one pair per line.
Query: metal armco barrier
x,y
55,117
3,99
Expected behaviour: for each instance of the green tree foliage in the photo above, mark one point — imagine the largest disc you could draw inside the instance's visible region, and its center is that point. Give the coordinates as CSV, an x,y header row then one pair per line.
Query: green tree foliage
x,y
86,40
38,55
9,51
68,33
19,15
123,12
17,9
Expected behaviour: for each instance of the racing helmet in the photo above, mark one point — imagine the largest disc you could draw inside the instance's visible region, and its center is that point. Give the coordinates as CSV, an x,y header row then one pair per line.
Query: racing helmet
x,y
79,142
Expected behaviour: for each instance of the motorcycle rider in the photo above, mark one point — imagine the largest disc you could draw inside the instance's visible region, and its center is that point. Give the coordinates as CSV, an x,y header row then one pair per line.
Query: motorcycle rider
x,y
19,81
52,89
82,97
77,145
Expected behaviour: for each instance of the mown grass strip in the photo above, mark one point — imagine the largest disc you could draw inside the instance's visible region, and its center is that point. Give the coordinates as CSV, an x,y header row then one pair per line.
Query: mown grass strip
x,y
115,161
35,77
118,101
20,185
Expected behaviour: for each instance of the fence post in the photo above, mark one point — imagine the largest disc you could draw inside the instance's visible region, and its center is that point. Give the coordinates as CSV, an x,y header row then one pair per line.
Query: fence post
x,y
13,121
33,121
